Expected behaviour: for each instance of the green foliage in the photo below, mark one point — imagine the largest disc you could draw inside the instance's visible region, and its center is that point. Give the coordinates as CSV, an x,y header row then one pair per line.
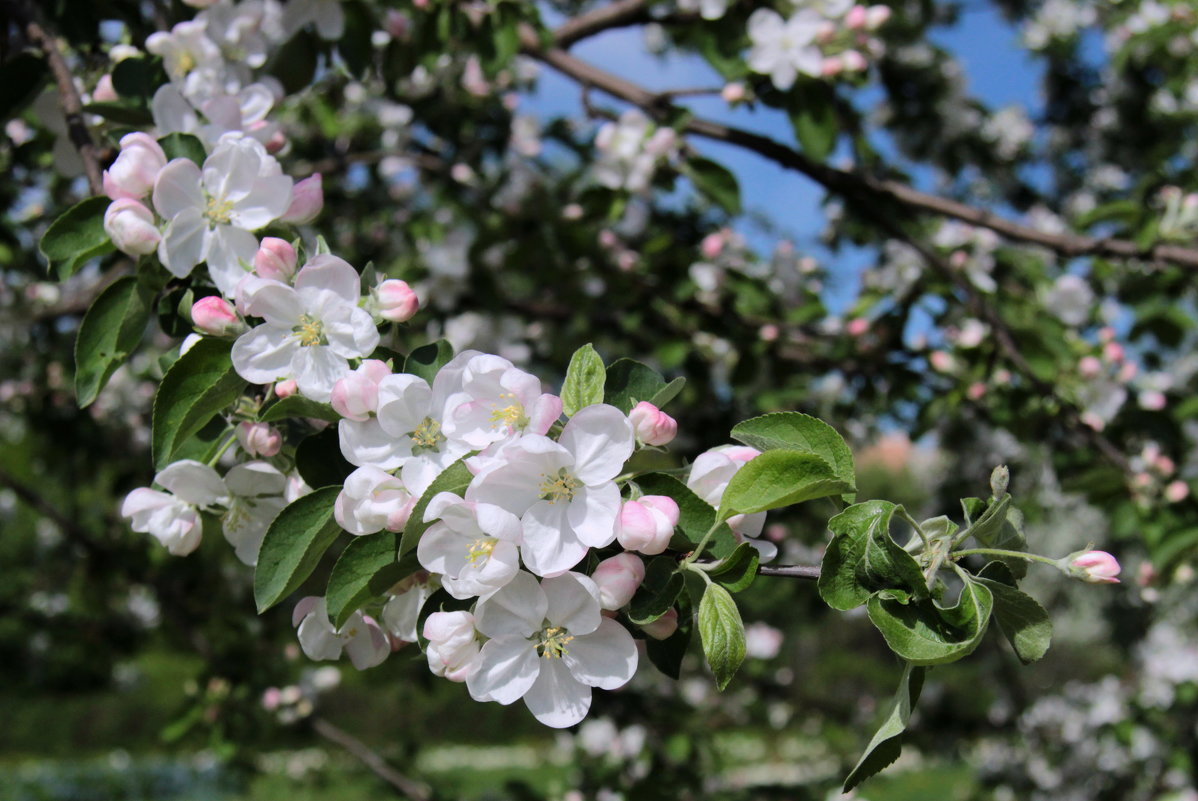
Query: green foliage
x,y
455,479
799,432
1021,619
426,360
293,546
298,406
21,78
200,385
780,478
662,585
183,146
737,570
110,331
812,110
722,633
887,744
628,382
319,460
366,569
695,516
925,633
585,378
716,182
76,237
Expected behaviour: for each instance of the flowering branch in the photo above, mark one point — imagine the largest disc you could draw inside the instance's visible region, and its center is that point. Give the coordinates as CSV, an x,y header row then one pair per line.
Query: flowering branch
x,y
409,787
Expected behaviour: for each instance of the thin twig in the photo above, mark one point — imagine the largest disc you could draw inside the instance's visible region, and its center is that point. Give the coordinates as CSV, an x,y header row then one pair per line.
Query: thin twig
x,y
619,14
810,572
368,757
42,505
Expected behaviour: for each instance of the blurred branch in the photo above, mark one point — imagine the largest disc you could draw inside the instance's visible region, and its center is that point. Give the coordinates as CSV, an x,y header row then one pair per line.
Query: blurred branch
x,y
619,14
71,528
844,182
68,97
409,787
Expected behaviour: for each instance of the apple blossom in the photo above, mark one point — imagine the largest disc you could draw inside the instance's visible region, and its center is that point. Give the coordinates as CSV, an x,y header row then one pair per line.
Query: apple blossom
x,y
373,500
215,317
647,524
173,517
136,167
394,300
307,201
473,546
709,476
401,613
618,578
259,439
275,259
664,627
360,637
452,644
285,389
255,498
784,48
498,401
1095,567
356,396
130,226
652,425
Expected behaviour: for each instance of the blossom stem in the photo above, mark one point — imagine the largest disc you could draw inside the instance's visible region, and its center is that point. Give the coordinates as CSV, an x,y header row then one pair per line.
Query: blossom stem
x,y
1031,557
221,451
907,518
695,554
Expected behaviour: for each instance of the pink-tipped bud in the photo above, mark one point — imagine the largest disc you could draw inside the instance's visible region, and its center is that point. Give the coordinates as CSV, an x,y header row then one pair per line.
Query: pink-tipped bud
x,y
1177,491
876,17
856,18
1089,367
712,245
647,524
259,439
652,425
356,396
941,361
1113,352
130,226
307,200
396,301
285,389
734,93
104,91
275,259
976,390
214,316
664,627
618,579
1127,371
1152,400
831,67
1096,567
857,326
449,628
133,173
853,61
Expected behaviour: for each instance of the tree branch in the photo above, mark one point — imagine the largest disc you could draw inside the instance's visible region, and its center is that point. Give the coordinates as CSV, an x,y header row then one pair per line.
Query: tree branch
x,y
619,14
408,787
71,528
810,572
847,182
68,97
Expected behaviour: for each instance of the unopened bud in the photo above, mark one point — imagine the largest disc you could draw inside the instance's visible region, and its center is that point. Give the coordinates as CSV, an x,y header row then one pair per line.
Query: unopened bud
x,y
356,396
652,425
856,18
1089,367
307,201
1096,567
396,300
618,579
130,226
1177,491
712,245
214,316
647,524
259,439
1000,479
876,17
853,61
733,93
104,91
664,627
275,259
133,173
285,389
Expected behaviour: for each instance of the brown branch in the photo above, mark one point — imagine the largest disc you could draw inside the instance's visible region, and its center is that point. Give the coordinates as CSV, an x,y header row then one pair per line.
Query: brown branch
x,y
619,14
846,182
408,787
68,97
809,572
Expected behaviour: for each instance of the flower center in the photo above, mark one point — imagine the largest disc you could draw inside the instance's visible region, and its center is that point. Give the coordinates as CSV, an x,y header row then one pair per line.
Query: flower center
x,y
480,550
510,416
559,487
427,436
219,211
552,641
310,331
187,62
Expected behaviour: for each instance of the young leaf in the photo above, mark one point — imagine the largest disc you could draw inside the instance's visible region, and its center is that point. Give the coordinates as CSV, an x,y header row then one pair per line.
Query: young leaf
x,y
428,359
319,460
183,146
298,406
585,379
1020,618
657,593
668,392
365,569
812,112
722,633
695,516
1001,527
716,181
628,382
925,633
200,384
76,236
737,570
841,584
887,742
887,565
110,330
293,545
779,478
799,432
454,478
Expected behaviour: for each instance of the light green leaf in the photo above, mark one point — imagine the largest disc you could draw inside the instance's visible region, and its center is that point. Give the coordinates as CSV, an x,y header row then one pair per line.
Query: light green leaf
x,y
110,331
887,743
293,545
779,478
76,237
455,479
695,516
585,379
427,360
796,431
1020,618
722,633
887,565
737,570
200,384
925,633
298,406
668,392
1001,527
366,569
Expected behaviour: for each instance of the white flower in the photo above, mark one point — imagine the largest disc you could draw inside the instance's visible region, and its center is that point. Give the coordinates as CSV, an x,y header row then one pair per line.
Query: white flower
x,y
360,637
452,644
475,546
133,173
564,491
497,402
173,517
130,226
1070,299
211,212
402,610
709,477
311,329
186,49
708,9
549,645
255,498
784,48
628,155
373,500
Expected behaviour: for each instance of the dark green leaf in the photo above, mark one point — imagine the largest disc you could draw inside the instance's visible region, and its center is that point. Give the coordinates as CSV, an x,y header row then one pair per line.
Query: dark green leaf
x,y
202,383
887,742
666,655
455,479
294,64
657,593
110,330
366,569
629,382
737,570
319,460
812,112
1020,618
132,78
293,545
76,236
183,146
298,406
887,565
668,392
585,378
428,359
925,633
716,182
722,633
122,113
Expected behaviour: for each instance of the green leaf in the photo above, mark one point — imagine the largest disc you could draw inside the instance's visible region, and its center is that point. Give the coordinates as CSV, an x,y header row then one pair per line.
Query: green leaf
x,y
294,64
716,181
1020,618
925,633
121,113
585,379
863,558
77,236
722,633
298,406
133,80
799,432
662,585
110,330
202,383
427,360
887,565
666,655
779,478
319,460
293,545
668,392
887,742
737,570
812,113
455,479
183,146
1001,527
695,516
629,382
366,569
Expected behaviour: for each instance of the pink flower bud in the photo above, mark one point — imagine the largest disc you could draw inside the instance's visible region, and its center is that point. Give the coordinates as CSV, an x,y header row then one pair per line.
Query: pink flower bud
x,y
133,173
1112,352
356,396
664,626
285,389
941,361
853,61
104,91
275,259
652,425
214,316
831,67
1177,491
857,326
711,245
396,300
259,439
876,17
131,227
1127,371
1096,567
647,524
1089,367
976,390
307,200
733,93
618,579
1152,400
855,19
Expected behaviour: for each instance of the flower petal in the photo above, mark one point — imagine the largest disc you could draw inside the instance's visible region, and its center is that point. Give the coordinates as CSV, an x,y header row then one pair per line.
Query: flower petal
x,y
573,603
507,667
605,659
518,609
556,698
601,439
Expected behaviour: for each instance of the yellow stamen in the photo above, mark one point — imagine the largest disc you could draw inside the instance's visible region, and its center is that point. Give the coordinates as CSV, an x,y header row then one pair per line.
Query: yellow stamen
x,y
559,487
480,549
427,435
310,330
552,643
219,211
510,416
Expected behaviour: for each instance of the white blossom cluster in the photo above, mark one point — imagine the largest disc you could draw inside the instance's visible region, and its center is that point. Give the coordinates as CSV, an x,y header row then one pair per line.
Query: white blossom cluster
x,y
820,39
630,151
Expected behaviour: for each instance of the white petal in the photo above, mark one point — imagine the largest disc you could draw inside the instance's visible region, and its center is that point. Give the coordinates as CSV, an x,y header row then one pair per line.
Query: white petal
x,y
192,481
316,369
230,172
550,546
351,332
230,257
403,403
573,603
333,274
177,188
498,522
606,659
268,199
183,242
507,667
592,514
369,648
264,354
366,443
518,609
601,439
255,478
273,301
556,698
